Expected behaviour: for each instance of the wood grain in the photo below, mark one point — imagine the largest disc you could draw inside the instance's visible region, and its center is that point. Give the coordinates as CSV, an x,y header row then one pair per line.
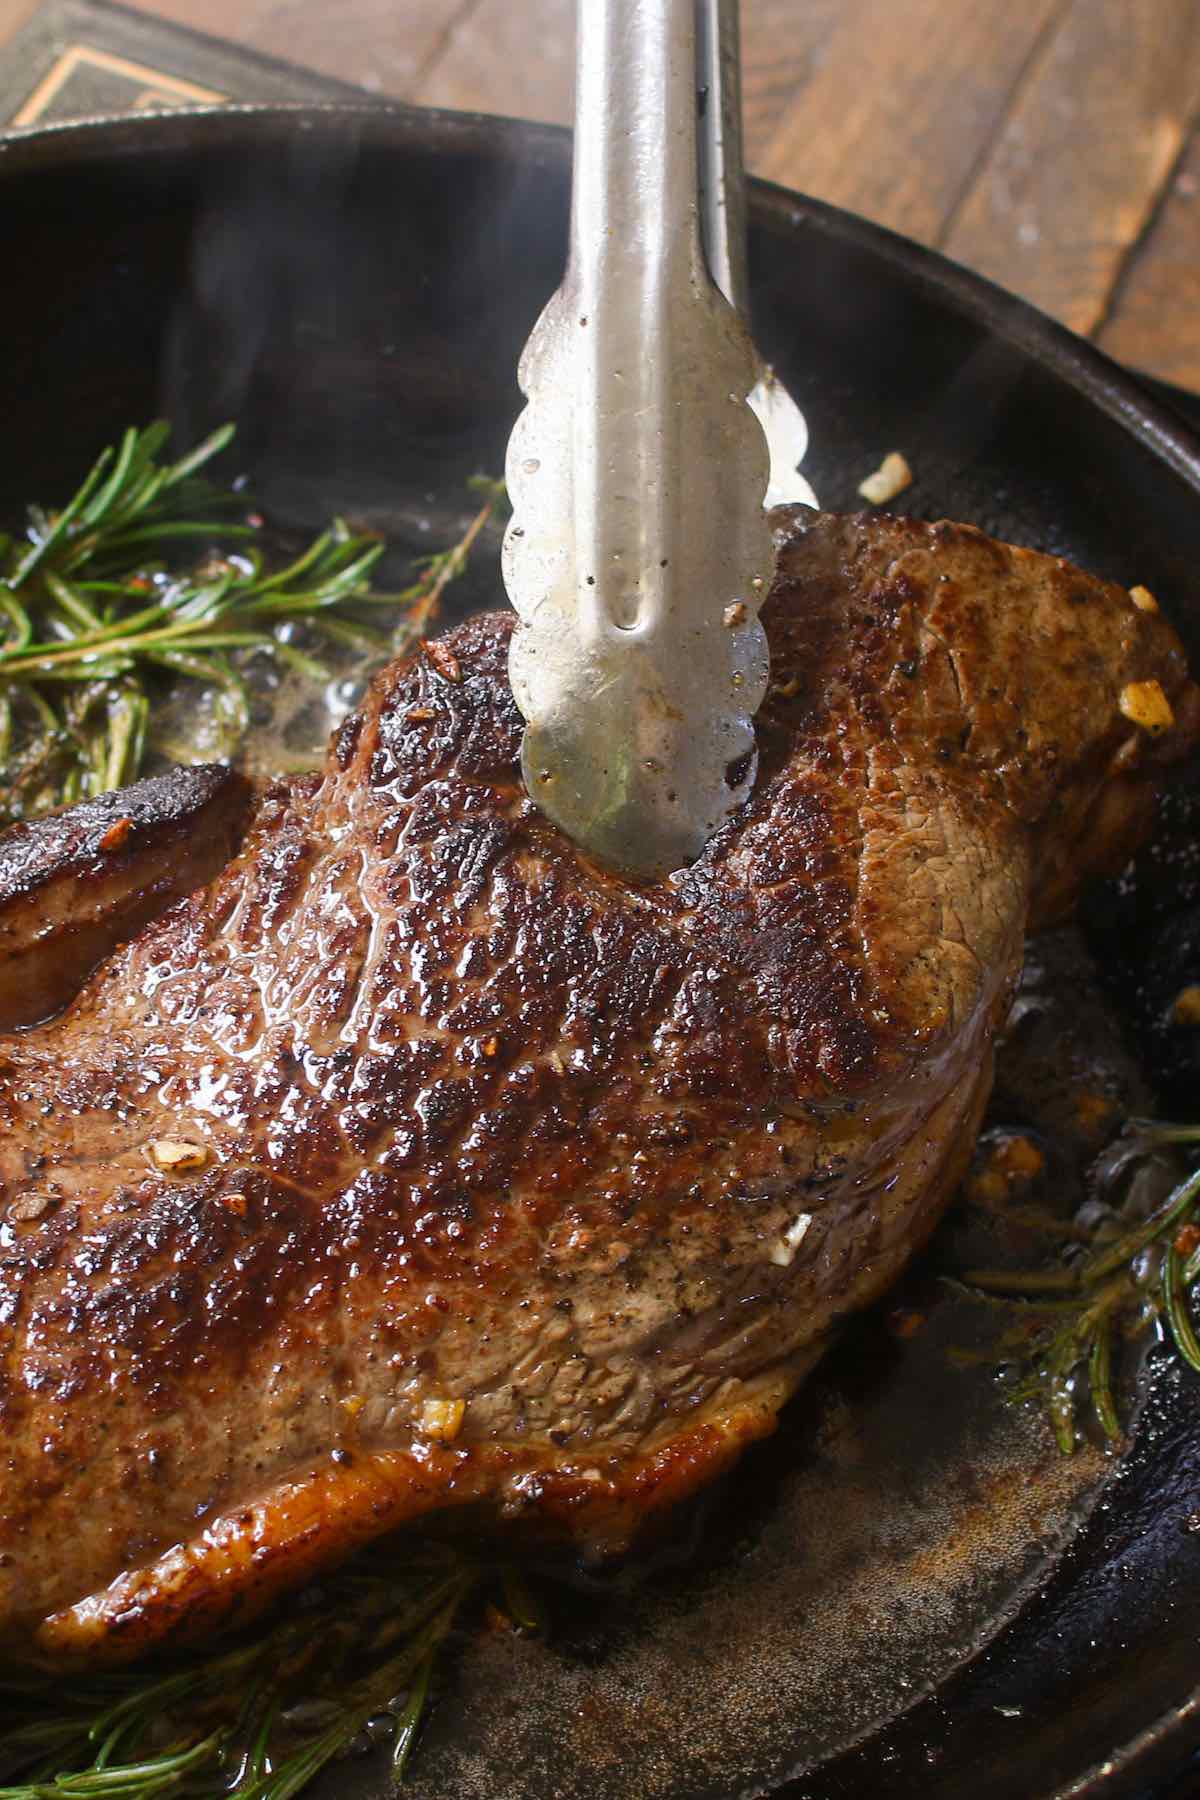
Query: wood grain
x,y
1084,155
506,58
383,45
13,14
520,59
903,102
1154,319
782,45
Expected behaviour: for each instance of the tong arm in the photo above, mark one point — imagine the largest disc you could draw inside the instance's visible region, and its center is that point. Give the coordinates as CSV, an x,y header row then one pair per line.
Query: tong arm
x,y
638,553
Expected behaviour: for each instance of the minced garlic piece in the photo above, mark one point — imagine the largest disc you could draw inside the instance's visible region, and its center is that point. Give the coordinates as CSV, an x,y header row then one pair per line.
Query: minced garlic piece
x,y
175,1156
442,1418
117,834
1012,1164
891,478
1093,1109
1145,703
443,660
785,1247
1143,599
29,1208
1020,1158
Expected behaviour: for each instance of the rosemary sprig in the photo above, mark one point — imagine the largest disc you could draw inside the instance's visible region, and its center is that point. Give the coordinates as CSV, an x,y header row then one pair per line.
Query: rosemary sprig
x,y
97,607
259,1718
1076,1313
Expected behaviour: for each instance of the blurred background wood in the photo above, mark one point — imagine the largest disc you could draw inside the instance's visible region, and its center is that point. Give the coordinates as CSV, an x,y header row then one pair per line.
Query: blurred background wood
x,y
1052,144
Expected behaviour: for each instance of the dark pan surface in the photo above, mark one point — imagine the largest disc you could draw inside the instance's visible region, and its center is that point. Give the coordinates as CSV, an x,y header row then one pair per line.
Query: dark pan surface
x,y
907,1591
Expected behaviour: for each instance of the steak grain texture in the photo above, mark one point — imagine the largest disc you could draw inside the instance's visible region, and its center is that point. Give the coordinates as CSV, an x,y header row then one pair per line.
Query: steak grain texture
x,y
509,1182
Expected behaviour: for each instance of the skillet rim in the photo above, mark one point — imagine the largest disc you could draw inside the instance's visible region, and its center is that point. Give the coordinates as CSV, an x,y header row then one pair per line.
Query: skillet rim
x,y
1105,383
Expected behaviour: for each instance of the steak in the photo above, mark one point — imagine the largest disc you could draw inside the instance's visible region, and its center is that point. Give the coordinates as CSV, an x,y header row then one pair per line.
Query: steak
x,y
417,1162
74,884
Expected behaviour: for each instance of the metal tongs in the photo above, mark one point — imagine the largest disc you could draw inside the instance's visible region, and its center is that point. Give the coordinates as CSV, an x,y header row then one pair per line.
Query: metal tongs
x,y
639,553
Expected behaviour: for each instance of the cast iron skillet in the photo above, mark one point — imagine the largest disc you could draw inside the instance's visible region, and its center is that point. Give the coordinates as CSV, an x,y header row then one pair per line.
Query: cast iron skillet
x,y
354,286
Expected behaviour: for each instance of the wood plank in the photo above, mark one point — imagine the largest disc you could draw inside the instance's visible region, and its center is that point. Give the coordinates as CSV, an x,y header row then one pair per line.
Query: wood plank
x,y
1154,321
518,56
1085,155
507,56
903,103
13,14
782,44
384,45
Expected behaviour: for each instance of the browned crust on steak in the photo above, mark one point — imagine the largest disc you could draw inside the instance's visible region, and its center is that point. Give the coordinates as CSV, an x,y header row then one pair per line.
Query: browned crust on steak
x,y
247,1558
483,1121
242,1561
77,883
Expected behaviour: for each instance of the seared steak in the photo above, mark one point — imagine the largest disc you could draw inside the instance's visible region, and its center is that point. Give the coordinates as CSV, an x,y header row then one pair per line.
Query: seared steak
x,y
77,882
417,1161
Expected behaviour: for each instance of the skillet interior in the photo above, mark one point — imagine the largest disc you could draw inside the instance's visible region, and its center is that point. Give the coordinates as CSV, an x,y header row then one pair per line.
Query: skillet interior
x,y
354,287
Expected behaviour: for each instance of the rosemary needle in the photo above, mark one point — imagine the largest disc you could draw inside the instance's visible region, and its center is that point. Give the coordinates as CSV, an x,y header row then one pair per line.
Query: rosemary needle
x,y
101,605
1100,1380
1107,1293
409,1718
258,1720
1178,1311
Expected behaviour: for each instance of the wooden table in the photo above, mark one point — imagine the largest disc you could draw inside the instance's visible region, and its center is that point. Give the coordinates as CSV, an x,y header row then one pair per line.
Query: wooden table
x,y
1052,144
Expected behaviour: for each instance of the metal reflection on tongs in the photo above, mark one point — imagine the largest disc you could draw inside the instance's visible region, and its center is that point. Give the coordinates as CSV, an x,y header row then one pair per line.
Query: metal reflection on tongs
x,y
639,553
